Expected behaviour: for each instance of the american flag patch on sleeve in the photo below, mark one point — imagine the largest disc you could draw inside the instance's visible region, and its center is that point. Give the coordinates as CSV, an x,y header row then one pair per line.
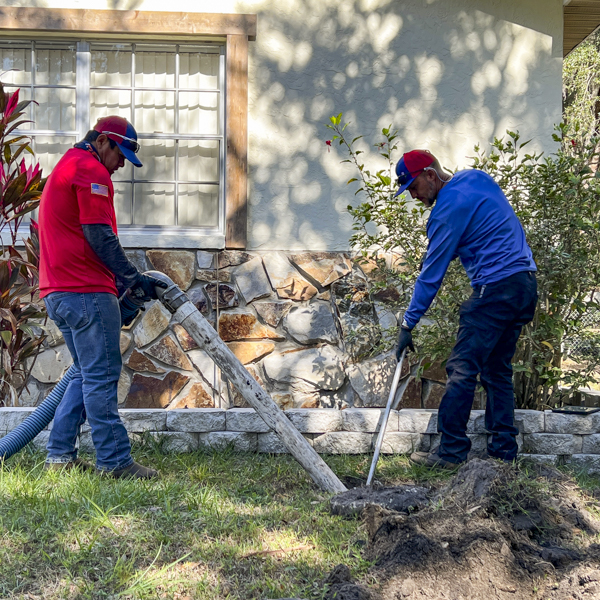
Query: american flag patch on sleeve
x,y
99,189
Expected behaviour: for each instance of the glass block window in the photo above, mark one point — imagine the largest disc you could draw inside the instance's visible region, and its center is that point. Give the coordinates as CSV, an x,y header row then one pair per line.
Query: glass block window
x,y
173,96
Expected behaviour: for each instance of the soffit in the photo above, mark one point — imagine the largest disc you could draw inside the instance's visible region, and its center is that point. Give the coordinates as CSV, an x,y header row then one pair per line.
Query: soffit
x,y
581,18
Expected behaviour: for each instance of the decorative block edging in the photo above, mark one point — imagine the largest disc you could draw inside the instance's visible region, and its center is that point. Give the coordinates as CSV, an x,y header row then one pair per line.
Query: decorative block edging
x,y
544,436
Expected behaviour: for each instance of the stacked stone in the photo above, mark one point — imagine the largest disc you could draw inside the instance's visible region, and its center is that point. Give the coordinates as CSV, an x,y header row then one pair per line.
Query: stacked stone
x,y
543,436
303,324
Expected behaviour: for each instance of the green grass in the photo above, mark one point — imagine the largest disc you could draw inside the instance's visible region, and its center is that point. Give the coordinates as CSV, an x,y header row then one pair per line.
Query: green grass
x,y
204,530
214,526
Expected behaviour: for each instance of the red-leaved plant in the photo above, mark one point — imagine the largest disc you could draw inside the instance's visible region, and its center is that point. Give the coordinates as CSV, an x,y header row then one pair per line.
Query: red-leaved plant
x,y
20,191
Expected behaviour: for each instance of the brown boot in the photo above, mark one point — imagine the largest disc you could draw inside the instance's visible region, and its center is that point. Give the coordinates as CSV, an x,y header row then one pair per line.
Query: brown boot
x,y
133,471
78,463
434,460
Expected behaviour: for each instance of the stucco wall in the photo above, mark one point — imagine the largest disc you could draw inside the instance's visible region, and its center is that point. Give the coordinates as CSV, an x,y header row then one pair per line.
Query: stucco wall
x,y
447,73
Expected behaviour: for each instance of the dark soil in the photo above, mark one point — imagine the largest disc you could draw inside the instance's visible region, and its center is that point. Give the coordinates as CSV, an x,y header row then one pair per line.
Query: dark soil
x,y
404,498
493,532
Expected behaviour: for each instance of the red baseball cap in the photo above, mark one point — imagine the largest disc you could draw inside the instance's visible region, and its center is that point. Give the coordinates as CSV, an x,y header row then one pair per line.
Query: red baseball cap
x,y
121,131
410,166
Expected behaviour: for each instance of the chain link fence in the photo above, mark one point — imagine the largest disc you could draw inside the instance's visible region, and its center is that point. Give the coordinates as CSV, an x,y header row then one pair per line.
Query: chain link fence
x,y
585,346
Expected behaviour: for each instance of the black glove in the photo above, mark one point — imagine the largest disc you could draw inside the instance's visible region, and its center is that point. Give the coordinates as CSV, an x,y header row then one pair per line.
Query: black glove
x,y
144,288
129,319
404,341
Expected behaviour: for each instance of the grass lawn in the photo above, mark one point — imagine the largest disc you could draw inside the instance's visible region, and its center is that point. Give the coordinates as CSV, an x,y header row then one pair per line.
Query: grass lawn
x,y
215,525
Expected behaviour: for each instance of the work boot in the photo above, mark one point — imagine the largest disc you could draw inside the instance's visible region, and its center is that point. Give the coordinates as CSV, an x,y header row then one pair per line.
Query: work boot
x,y
431,459
78,463
133,471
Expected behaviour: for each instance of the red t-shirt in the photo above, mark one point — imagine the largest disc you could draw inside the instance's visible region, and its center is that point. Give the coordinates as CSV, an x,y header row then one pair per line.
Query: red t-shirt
x,y
78,192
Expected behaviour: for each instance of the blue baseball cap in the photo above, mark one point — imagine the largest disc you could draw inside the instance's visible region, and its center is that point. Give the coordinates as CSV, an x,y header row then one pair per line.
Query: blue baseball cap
x,y
122,132
410,166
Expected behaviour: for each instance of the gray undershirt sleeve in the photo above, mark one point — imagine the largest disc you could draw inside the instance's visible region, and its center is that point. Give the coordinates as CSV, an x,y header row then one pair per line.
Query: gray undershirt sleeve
x,y
107,247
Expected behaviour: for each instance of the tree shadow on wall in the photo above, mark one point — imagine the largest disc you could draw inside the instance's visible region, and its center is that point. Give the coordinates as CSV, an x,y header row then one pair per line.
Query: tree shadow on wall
x,y
446,74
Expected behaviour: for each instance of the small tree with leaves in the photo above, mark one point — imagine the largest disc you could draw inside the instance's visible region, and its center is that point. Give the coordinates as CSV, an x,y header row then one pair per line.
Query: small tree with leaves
x,y
581,90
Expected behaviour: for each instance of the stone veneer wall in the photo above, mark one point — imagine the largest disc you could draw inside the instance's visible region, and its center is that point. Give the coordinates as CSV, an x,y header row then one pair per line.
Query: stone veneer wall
x,y
301,323
544,436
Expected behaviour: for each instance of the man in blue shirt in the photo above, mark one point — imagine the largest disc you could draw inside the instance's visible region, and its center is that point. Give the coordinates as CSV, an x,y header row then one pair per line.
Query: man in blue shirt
x,y
471,219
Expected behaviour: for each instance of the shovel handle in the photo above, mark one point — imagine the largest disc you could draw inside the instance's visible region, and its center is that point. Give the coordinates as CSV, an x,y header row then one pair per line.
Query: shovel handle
x,y
386,416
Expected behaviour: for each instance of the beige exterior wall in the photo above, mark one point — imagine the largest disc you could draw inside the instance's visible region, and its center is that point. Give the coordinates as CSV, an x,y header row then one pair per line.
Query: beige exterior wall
x,y
447,73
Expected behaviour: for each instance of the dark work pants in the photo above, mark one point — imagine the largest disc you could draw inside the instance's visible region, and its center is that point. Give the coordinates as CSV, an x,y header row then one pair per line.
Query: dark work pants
x,y
490,324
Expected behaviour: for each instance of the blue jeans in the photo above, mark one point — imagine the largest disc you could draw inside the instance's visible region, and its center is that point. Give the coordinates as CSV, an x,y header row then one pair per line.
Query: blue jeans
x,y
490,324
91,326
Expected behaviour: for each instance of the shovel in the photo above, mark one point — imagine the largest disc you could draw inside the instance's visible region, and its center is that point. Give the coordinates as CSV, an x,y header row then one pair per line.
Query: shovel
x,y
386,416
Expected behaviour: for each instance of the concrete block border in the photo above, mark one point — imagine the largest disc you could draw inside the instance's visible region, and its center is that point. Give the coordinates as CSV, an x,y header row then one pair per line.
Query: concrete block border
x,y
544,436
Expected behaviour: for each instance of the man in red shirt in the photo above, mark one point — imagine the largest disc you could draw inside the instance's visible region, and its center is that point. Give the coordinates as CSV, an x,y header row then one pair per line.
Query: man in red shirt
x,y
81,263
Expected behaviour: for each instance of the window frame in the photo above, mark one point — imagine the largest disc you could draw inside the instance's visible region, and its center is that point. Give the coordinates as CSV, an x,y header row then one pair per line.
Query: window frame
x,y
179,47
235,30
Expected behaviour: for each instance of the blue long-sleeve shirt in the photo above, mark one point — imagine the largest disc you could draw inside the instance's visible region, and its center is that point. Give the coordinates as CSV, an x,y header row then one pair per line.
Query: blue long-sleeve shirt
x,y
472,220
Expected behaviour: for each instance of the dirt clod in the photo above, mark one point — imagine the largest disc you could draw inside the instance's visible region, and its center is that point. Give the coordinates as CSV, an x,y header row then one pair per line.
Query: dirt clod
x,y
473,482
340,586
340,574
404,498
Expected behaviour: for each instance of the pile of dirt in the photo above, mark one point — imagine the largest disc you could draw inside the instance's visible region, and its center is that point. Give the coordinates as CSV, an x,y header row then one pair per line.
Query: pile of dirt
x,y
493,532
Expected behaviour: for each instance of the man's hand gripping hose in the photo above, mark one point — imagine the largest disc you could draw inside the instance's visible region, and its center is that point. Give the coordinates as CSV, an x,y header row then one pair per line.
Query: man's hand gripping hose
x,y
143,290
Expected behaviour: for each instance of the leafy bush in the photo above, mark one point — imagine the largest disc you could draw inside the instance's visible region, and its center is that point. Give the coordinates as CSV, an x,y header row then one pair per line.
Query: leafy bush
x,y
20,191
581,88
557,199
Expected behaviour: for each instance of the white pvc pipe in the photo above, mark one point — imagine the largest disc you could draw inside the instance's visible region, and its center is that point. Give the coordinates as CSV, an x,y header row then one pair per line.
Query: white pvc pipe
x,y
386,416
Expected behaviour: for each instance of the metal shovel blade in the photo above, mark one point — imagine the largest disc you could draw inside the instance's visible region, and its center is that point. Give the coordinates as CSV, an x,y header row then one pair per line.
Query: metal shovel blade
x,y
386,416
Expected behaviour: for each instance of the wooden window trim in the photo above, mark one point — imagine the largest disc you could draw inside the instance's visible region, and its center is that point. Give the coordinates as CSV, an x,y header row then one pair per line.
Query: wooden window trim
x,y
238,30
